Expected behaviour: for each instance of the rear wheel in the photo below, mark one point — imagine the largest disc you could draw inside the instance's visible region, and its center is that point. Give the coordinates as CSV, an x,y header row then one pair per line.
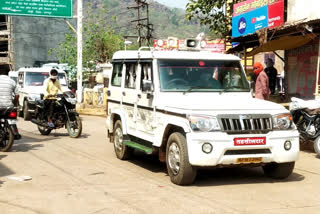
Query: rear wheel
x,y
179,168
74,127
26,113
122,151
278,170
6,139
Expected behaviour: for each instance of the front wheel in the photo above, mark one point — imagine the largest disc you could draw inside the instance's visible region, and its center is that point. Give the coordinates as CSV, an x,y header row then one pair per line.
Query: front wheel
x,y
74,127
278,170
316,146
179,168
6,139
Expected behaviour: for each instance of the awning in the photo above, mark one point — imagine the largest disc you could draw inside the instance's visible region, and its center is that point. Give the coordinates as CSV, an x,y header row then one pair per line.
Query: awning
x,y
283,43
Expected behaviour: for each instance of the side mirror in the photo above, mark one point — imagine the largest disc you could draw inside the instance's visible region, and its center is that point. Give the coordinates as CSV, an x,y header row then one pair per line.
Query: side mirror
x,y
41,96
20,82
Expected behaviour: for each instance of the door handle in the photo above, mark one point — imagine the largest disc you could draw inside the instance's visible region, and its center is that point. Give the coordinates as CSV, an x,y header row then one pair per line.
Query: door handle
x,y
139,96
124,93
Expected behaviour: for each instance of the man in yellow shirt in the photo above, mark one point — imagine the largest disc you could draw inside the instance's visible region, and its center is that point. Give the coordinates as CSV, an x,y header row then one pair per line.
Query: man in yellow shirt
x,y
52,87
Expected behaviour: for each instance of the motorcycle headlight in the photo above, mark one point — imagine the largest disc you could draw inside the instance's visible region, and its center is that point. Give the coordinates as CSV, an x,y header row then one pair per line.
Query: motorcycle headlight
x,y
71,100
282,121
204,123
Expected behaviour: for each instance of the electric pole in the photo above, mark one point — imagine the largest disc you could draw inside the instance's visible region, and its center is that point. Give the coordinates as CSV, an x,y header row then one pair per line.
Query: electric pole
x,y
79,51
143,25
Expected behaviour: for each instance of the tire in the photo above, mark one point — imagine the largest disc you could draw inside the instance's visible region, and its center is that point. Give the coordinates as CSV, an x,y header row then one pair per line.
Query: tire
x,y
75,132
6,143
177,160
122,151
316,146
26,113
44,131
278,170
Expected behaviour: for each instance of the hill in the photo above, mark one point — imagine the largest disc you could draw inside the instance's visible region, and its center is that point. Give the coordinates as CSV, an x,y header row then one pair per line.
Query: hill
x,y
167,21
176,3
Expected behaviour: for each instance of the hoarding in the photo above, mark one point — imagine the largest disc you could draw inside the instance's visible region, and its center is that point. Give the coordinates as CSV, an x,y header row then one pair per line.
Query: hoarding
x,y
42,8
252,15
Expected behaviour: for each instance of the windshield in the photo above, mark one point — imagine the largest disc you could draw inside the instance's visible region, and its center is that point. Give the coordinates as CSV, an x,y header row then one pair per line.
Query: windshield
x,y
37,78
202,75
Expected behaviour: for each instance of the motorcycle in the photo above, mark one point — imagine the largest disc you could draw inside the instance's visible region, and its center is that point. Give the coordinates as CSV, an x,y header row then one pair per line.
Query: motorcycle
x,y
8,128
306,116
64,115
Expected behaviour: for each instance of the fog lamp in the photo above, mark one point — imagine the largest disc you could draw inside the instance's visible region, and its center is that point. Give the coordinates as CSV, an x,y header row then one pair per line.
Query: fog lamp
x,y
207,148
287,145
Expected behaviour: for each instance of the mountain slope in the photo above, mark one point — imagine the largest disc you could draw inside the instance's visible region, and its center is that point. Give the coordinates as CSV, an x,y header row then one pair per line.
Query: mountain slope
x,y
176,3
166,21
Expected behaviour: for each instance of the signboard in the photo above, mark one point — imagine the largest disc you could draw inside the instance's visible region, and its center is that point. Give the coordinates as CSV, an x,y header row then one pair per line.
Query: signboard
x,y
299,10
214,46
43,8
252,15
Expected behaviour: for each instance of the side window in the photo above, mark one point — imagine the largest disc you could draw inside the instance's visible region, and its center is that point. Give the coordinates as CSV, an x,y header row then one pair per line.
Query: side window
x,y
146,77
131,75
116,74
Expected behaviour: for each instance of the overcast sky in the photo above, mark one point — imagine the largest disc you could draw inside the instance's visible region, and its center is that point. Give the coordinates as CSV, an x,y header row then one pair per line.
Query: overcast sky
x,y
174,3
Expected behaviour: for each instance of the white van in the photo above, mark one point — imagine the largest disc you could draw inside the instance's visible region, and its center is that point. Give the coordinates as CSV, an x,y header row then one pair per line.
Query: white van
x,y
195,109
30,85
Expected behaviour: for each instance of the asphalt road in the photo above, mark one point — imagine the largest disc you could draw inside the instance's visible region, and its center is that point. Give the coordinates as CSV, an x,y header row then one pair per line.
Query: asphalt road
x,y
84,176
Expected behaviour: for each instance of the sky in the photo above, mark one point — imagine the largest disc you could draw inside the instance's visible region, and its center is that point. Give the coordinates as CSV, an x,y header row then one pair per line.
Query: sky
x,y
174,3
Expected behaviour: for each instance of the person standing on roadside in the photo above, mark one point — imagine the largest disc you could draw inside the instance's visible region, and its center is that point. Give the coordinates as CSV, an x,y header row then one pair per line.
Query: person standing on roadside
x,y
262,90
272,75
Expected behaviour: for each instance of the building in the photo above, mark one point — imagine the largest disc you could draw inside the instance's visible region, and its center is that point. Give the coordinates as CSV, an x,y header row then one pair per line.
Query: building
x,y
298,37
26,41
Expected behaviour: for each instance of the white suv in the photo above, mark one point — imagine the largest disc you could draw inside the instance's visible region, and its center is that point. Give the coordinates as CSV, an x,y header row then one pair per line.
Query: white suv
x,y
30,85
195,109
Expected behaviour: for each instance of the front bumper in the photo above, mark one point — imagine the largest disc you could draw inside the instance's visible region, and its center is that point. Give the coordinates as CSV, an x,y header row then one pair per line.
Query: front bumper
x,y
224,151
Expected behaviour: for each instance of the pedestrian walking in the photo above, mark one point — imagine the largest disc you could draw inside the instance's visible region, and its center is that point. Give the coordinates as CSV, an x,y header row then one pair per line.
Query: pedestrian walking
x,y
272,75
262,90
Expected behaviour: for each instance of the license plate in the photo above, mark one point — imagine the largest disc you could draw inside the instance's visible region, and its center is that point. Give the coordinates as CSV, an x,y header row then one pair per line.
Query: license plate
x,y
249,160
249,141
12,122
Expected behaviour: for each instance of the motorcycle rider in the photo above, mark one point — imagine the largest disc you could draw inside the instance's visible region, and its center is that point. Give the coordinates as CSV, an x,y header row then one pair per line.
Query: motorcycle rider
x,y
8,90
51,88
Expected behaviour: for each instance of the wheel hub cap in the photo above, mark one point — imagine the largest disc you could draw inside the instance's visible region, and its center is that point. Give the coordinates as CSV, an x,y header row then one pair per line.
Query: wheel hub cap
x,y
118,139
174,158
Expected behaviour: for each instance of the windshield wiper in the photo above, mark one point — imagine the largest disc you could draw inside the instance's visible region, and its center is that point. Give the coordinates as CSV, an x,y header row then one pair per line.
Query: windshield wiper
x,y
196,87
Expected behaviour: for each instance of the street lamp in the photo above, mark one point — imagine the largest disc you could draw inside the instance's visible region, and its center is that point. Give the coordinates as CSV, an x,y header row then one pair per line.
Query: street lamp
x,y
126,42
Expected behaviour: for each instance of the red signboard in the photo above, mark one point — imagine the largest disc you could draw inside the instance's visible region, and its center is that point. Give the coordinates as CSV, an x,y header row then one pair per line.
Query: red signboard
x,y
275,14
249,141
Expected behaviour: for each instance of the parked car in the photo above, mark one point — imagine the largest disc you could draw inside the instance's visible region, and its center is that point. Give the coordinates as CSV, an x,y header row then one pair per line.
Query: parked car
x,y
195,109
30,84
13,75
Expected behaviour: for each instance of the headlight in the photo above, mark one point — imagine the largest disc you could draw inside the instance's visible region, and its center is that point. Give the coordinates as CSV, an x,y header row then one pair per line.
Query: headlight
x,y
204,123
33,97
282,121
71,100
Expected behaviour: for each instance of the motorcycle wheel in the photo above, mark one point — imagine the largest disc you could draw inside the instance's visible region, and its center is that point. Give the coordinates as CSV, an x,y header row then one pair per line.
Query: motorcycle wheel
x,y
74,127
44,131
316,146
6,142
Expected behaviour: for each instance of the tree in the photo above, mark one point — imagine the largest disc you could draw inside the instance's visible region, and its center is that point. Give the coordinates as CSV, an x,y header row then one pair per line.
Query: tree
x,y
99,43
209,12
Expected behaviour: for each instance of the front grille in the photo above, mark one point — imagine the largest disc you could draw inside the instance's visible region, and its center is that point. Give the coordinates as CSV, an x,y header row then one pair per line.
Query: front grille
x,y
245,123
247,152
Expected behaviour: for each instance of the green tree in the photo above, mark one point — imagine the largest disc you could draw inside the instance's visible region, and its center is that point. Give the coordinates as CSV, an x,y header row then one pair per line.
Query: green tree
x,y
99,43
210,13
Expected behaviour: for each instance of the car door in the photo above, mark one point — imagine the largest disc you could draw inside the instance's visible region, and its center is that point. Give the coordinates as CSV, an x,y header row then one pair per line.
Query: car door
x,y
146,109
129,94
